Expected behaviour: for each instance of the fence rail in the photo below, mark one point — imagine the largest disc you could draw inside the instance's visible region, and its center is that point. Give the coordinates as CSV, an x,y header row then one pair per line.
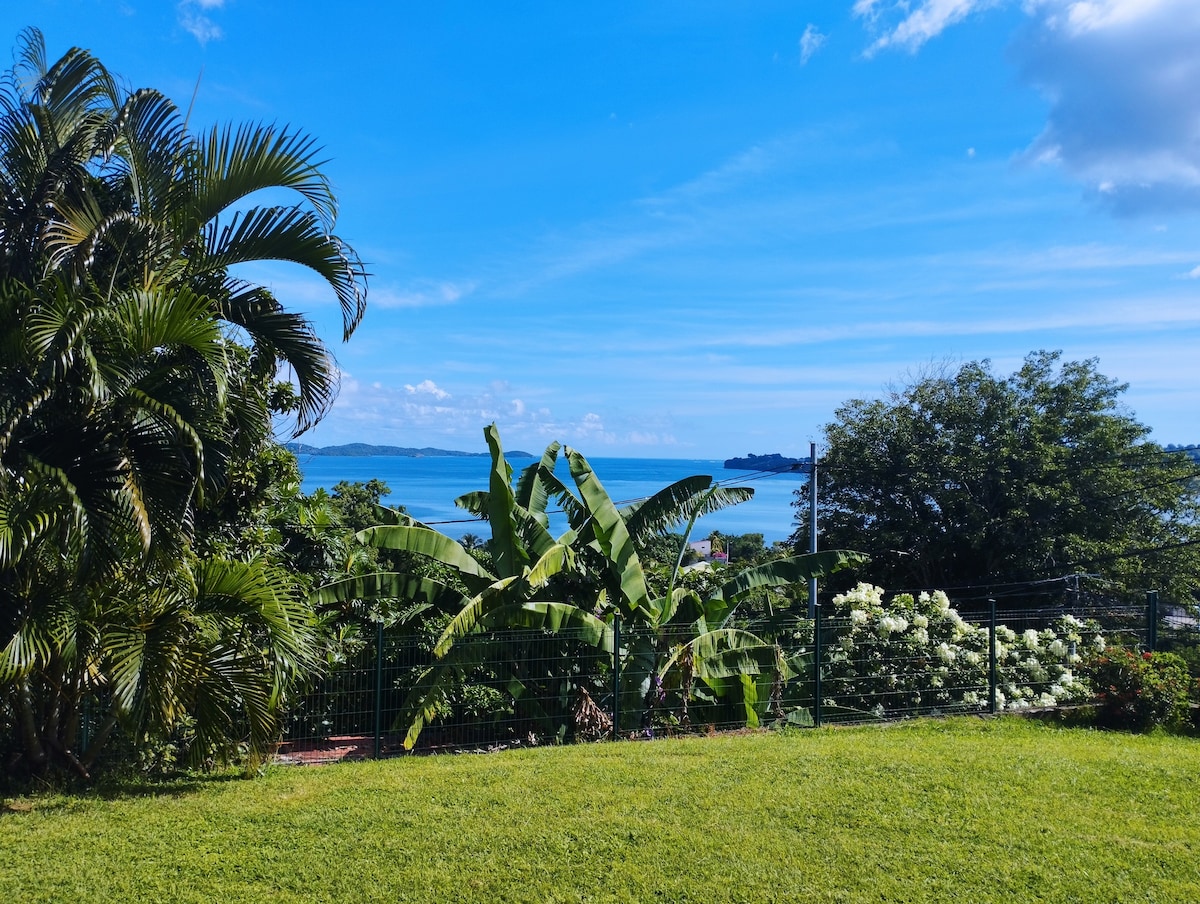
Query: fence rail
x,y
510,688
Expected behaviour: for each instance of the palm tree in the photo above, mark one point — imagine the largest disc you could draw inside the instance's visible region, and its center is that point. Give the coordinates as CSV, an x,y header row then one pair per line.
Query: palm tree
x,y
135,367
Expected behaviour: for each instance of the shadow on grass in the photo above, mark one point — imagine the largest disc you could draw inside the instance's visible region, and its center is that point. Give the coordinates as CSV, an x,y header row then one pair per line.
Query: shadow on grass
x,y
45,798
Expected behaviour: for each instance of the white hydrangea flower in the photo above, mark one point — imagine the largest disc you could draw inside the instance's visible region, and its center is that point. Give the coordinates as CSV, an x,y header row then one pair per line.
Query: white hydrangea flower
x,y
920,621
858,617
945,652
921,636
1099,644
1032,640
1058,648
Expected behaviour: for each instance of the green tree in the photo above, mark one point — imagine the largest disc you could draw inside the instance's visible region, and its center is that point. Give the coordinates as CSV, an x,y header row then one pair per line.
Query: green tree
x,y
967,478
358,502
136,384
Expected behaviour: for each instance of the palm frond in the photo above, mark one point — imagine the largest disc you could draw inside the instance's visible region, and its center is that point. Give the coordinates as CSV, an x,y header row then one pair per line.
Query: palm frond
x,y
233,163
288,234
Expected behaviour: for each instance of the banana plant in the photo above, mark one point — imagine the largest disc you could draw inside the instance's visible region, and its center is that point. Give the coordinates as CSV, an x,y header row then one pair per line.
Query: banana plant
x,y
585,580
680,636
515,593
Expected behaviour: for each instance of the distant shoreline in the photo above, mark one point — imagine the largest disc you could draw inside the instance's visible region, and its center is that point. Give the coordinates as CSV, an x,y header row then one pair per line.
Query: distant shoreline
x,y
365,450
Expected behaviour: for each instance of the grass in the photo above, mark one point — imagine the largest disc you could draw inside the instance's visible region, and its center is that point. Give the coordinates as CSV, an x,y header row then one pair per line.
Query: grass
x,y
957,810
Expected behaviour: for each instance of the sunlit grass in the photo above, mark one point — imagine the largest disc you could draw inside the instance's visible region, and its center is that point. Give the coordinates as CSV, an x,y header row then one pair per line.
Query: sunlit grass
x,y
962,810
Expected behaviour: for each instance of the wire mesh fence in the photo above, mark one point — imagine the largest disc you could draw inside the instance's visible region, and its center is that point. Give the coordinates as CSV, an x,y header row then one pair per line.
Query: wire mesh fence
x,y
388,694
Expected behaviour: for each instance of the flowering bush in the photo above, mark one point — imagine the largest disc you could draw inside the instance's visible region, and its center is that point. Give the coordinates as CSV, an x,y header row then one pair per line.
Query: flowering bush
x,y
918,653
1140,691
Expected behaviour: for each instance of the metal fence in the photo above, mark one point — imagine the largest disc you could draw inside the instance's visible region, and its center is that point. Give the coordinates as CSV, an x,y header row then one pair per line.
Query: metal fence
x,y
511,688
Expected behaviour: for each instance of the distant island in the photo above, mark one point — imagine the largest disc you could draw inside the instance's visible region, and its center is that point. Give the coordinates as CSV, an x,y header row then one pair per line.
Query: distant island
x,y
772,462
362,450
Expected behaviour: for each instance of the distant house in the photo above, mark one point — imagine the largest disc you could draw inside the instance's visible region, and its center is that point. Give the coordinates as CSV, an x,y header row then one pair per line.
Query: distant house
x,y
703,548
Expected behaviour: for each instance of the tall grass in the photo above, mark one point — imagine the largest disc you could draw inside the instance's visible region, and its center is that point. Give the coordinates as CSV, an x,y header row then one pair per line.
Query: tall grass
x,y
960,810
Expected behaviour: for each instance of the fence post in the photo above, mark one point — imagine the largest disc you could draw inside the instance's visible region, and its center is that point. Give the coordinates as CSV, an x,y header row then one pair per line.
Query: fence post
x,y
378,687
992,657
616,681
1152,620
817,665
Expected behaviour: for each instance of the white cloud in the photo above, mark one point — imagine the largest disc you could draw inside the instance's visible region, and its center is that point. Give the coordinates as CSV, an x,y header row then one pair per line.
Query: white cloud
x,y
1081,16
810,42
424,414
192,18
1120,77
427,387
916,26
1194,273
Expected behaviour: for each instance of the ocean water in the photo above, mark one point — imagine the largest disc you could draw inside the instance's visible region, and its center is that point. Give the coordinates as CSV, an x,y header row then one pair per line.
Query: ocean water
x,y
427,488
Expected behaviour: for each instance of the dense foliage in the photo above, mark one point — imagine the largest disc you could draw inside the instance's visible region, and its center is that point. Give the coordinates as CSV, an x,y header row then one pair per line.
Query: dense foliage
x,y
137,391
1140,691
965,478
682,643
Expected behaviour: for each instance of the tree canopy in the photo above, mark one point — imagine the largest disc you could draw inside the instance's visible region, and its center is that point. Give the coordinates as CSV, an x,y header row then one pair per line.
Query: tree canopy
x,y
137,389
968,479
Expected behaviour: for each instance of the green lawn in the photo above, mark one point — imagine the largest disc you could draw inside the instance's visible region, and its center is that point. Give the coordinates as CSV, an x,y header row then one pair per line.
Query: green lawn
x,y
960,810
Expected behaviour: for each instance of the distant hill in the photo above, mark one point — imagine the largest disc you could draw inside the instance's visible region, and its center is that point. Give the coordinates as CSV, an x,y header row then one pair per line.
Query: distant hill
x,y
771,462
362,450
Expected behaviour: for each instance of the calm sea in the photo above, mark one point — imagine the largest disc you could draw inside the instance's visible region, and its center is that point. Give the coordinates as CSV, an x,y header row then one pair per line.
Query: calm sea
x,y
427,488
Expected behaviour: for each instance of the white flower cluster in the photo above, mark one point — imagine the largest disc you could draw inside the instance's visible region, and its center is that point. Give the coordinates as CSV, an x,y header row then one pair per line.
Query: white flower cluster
x,y
904,654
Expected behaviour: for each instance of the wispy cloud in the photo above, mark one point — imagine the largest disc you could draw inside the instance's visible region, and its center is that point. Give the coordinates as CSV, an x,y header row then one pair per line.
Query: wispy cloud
x,y
916,25
1117,315
193,18
422,294
810,42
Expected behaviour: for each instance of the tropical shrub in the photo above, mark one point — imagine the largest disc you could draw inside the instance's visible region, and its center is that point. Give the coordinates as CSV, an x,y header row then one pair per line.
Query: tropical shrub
x,y
906,654
1141,691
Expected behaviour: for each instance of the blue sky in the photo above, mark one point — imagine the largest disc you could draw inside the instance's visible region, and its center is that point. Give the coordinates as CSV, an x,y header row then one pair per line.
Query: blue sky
x,y
693,229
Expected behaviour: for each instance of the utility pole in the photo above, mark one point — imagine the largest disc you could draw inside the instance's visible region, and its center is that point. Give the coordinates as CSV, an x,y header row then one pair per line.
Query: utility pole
x,y
812,524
